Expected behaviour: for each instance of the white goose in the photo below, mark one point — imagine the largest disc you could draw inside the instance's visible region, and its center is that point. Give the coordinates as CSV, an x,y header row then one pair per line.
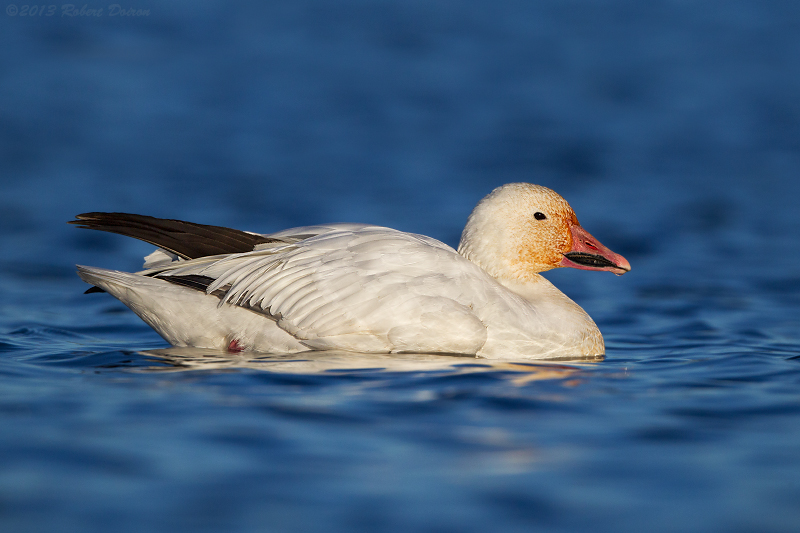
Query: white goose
x,y
367,288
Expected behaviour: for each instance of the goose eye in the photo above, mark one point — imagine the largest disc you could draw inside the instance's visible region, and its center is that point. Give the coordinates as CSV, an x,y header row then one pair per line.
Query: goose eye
x,y
538,215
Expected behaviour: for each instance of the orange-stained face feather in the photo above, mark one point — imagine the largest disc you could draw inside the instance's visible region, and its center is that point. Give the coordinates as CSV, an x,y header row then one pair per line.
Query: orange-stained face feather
x,y
542,243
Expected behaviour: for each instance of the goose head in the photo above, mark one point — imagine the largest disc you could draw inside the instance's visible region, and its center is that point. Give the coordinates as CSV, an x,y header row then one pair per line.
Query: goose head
x,y
520,229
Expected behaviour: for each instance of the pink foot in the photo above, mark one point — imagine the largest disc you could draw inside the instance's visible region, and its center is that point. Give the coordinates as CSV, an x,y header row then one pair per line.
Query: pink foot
x,y
235,346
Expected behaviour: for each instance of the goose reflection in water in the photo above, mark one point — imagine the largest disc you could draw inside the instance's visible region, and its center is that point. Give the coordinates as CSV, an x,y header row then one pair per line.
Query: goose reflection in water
x,y
178,359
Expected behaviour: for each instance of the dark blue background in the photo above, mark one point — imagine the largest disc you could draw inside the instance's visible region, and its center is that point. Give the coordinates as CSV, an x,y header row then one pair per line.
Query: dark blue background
x,y
672,127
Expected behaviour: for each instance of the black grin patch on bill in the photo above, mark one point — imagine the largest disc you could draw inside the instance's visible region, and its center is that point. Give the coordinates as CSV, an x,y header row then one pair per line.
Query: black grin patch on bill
x,y
590,260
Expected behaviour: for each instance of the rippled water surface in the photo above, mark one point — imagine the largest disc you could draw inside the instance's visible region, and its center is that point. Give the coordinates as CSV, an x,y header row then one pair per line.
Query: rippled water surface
x,y
672,128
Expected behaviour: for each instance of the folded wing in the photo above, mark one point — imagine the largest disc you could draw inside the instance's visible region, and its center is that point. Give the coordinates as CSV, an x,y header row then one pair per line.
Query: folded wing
x,y
366,288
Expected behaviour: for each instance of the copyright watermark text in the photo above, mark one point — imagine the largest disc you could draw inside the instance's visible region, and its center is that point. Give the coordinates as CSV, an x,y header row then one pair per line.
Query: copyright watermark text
x,y
71,10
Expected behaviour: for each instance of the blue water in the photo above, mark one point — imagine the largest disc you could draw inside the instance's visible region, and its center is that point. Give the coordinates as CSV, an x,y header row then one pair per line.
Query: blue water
x,y
673,128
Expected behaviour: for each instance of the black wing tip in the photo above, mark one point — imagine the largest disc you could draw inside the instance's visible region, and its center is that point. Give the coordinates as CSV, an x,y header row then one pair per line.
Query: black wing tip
x,y
82,218
110,216
193,281
91,290
188,240
95,218
91,214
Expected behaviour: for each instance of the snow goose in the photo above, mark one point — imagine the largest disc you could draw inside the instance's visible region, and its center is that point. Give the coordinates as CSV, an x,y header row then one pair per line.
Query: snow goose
x,y
363,288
